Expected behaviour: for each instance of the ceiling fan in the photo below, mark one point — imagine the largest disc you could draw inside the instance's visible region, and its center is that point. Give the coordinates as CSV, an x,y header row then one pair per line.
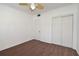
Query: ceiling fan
x,y
33,6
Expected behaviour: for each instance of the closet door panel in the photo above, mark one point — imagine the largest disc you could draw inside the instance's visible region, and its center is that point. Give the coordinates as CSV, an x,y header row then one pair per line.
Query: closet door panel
x,y
67,31
57,31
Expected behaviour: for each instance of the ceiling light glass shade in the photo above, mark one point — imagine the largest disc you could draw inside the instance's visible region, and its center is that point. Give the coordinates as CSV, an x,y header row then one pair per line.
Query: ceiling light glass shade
x,y
32,6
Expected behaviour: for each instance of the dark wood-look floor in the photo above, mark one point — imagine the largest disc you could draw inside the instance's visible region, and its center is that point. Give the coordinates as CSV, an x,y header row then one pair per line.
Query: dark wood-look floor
x,y
38,48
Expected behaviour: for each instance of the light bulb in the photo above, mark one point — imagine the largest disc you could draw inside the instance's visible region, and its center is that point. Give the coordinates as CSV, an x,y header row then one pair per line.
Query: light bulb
x,y
32,6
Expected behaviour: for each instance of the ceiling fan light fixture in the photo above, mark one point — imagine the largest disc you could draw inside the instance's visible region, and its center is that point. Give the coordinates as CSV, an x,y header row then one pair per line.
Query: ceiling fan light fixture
x,y
33,6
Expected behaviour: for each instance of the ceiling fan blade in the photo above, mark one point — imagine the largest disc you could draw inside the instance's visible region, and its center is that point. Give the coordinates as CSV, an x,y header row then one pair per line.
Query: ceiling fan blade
x,y
23,4
40,6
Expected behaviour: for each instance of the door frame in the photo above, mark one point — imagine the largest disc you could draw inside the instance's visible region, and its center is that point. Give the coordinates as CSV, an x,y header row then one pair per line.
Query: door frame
x,y
65,15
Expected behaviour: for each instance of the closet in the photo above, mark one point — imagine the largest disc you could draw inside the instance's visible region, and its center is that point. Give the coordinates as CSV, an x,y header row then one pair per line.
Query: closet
x,y
62,30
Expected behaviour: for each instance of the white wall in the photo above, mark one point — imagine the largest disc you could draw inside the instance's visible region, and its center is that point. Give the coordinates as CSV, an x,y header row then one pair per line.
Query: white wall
x,y
15,26
78,28
46,21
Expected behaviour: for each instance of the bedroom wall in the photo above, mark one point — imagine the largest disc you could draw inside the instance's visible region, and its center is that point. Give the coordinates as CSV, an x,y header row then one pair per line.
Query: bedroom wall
x,y
78,28
15,26
46,21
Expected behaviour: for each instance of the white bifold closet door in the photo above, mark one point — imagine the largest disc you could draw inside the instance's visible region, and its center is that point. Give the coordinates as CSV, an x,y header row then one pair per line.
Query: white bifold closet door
x,y
62,30
57,30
